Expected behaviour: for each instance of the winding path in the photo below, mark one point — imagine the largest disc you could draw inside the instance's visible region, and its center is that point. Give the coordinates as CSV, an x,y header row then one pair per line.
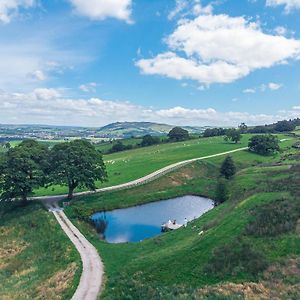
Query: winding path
x,y
91,280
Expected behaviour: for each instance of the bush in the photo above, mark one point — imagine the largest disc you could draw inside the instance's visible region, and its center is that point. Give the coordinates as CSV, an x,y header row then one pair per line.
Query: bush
x,y
274,218
119,146
235,258
228,168
149,140
264,144
222,191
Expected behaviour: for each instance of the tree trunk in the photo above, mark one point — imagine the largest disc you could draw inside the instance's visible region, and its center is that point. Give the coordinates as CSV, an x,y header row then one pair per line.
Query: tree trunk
x,y
24,200
70,194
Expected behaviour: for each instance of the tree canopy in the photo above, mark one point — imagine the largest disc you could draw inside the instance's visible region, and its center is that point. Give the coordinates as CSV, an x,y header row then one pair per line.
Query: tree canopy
x,y
149,140
264,144
228,168
22,169
178,134
233,135
76,164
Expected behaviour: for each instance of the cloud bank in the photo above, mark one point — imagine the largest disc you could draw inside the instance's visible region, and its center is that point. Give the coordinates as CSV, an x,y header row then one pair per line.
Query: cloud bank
x,y
50,106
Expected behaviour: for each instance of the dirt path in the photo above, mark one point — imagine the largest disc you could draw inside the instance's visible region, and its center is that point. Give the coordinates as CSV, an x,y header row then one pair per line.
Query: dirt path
x,y
91,280
90,284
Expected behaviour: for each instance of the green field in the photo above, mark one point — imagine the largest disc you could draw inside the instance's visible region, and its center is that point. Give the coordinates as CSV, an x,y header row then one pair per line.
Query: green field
x,y
130,165
176,263
37,260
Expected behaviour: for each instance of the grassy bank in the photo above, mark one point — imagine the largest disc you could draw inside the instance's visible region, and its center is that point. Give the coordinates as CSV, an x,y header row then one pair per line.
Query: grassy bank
x,y
37,260
193,266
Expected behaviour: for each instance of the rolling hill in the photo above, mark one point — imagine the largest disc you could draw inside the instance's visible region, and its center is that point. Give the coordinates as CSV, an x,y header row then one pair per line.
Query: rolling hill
x,y
129,129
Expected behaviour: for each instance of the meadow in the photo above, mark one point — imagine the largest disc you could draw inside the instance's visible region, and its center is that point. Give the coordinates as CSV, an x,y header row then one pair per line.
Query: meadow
x,y
133,164
183,262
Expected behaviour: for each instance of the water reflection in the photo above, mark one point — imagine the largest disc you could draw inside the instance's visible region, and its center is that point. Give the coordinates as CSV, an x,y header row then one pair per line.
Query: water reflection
x,y
140,222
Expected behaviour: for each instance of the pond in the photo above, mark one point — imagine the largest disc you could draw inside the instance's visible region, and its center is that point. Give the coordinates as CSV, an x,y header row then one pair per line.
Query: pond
x,y
137,223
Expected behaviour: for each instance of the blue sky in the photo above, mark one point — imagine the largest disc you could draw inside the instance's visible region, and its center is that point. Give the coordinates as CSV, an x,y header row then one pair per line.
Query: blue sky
x,y
89,63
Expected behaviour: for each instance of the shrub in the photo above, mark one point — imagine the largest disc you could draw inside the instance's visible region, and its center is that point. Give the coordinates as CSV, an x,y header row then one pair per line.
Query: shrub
x,y
222,191
228,168
264,144
235,258
274,218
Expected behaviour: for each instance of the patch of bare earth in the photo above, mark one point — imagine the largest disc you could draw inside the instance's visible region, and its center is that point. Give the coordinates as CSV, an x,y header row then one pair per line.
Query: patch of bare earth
x,y
54,287
280,281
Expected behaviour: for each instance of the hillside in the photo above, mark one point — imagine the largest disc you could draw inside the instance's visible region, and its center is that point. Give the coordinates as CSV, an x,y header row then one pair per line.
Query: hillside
x,y
248,241
129,129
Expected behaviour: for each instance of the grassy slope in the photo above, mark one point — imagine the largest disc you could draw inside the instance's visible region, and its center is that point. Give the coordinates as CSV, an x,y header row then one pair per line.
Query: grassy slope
x,y
178,258
129,165
37,261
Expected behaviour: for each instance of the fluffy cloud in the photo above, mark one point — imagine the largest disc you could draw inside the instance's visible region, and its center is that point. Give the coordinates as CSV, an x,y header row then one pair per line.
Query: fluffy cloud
x,y
249,91
274,86
38,75
219,49
89,87
10,8
289,5
184,8
50,106
102,9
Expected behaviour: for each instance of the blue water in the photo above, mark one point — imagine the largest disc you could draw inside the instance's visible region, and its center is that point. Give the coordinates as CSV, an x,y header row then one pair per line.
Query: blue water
x,y
137,223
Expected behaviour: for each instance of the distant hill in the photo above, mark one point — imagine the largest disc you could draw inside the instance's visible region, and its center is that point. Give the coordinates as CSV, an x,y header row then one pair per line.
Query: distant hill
x,y
129,129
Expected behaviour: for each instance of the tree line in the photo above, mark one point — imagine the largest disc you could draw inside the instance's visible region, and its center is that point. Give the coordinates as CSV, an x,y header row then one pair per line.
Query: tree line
x,y
32,165
280,126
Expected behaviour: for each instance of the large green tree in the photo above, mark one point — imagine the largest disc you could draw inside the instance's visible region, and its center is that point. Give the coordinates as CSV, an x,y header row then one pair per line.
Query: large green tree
x,y
233,135
149,140
76,164
264,144
228,168
178,134
22,169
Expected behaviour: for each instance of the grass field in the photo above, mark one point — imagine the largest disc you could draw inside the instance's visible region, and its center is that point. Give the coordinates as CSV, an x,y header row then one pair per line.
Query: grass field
x,y
37,260
177,262
130,165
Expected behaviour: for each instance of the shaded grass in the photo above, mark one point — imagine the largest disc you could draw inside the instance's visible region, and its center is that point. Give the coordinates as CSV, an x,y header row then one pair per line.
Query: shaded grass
x,y
37,260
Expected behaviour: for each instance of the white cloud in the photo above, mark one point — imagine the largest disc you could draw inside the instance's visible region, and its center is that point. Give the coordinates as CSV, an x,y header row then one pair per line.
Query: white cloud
x,y
10,8
46,94
249,91
89,87
289,5
263,87
50,106
275,86
38,75
219,49
29,61
184,8
102,9
296,107
280,30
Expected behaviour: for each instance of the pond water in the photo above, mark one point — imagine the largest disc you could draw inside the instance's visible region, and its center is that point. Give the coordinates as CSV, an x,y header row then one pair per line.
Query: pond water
x,y
137,223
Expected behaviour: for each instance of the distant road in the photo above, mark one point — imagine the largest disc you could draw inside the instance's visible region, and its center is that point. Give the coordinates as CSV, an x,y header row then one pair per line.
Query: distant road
x,y
91,280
